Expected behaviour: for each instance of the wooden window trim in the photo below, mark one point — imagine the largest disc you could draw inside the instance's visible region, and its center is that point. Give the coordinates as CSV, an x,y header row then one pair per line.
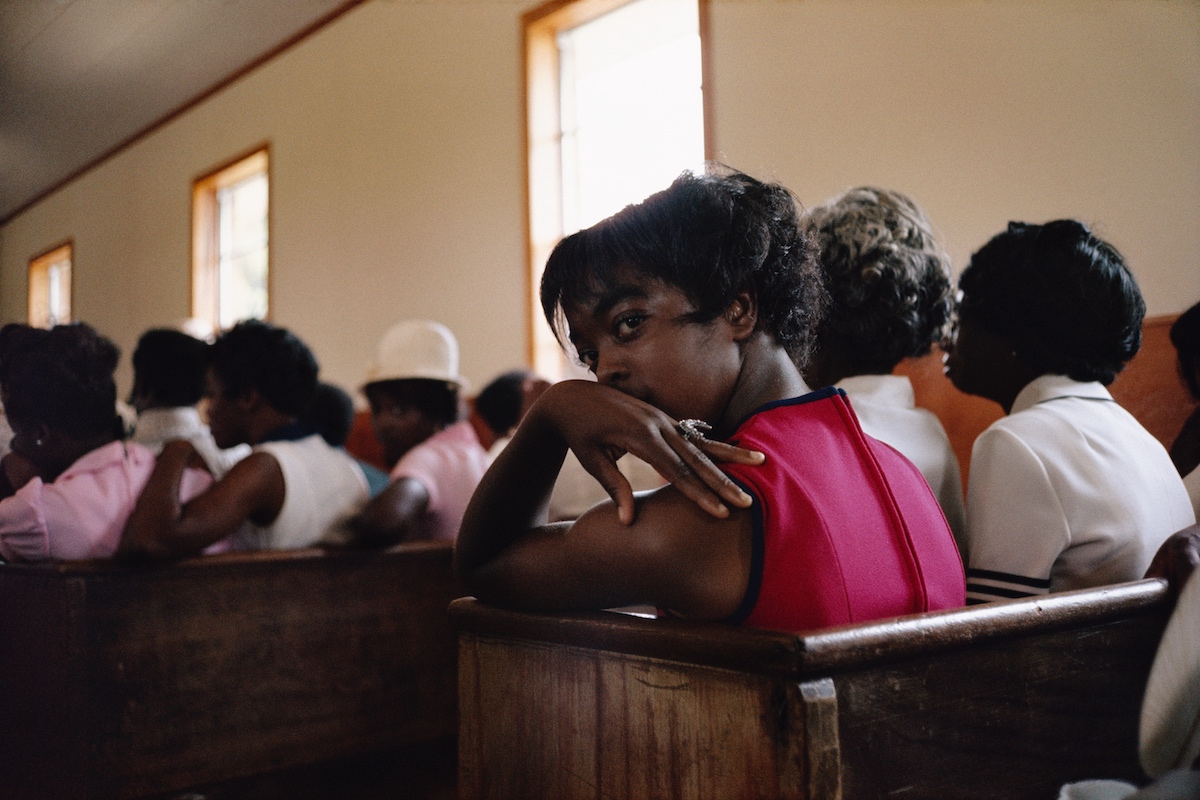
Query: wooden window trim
x,y
543,140
205,294
37,287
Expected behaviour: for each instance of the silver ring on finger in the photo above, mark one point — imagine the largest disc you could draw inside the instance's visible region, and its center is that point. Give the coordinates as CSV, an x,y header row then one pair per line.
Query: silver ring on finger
x,y
693,430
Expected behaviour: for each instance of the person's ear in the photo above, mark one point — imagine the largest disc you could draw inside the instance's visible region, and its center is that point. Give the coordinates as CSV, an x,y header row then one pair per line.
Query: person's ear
x,y
45,437
742,315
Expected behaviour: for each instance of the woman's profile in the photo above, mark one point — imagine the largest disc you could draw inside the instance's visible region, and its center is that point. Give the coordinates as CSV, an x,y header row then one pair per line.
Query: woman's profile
x,y
1068,491
689,309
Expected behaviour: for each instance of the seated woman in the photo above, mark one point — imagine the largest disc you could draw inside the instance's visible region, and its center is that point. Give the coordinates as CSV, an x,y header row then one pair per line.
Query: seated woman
x,y
69,482
294,490
1185,450
436,458
169,372
691,306
889,283
1068,491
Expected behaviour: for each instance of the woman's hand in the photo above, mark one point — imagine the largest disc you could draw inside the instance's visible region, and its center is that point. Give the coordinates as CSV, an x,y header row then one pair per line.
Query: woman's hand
x,y
601,424
1177,558
184,451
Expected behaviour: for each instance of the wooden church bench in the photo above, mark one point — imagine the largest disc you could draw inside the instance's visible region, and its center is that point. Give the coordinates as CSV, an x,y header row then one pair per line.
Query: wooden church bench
x,y
124,681
1007,700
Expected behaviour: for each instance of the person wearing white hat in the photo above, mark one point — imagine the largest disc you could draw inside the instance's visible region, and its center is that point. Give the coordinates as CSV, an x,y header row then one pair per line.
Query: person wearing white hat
x,y
436,460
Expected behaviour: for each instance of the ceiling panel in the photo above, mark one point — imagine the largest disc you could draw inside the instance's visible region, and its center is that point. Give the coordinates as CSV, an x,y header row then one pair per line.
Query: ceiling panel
x,y
81,78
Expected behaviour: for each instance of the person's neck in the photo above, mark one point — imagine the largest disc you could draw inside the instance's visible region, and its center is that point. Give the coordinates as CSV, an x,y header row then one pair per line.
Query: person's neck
x,y
829,366
1011,380
267,422
767,375
72,452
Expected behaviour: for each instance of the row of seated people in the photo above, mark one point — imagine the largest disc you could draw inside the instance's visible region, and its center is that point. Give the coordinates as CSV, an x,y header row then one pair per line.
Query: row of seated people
x,y
1067,491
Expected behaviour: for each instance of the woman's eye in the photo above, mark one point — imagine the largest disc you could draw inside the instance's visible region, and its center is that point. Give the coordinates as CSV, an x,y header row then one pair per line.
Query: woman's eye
x,y
628,323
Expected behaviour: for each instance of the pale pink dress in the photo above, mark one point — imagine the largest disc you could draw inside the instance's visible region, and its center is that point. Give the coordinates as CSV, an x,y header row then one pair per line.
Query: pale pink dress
x,y
81,514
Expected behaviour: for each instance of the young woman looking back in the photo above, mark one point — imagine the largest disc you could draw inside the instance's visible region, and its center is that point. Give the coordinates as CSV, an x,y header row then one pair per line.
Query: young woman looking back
x,y
690,307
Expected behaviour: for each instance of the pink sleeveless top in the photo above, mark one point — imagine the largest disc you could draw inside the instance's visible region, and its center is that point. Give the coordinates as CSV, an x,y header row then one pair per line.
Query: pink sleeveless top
x,y
846,529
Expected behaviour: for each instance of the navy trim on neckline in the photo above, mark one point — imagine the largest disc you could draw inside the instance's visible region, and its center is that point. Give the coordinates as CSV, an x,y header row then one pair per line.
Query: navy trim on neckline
x,y
812,397
292,432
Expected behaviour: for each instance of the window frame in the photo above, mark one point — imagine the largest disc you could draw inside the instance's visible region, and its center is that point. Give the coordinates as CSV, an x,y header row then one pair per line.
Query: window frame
x,y
205,296
37,285
542,136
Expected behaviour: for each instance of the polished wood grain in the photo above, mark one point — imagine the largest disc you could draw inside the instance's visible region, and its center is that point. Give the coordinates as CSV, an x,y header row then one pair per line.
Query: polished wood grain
x,y
125,681
1006,700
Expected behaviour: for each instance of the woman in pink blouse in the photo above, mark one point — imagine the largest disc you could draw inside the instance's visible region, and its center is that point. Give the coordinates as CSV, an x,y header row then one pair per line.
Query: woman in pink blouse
x,y
69,482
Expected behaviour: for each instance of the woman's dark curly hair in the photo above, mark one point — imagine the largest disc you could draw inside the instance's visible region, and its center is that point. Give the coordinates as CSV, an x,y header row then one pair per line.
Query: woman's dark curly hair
x,y
500,402
1185,335
711,236
170,366
271,360
61,378
1062,297
888,278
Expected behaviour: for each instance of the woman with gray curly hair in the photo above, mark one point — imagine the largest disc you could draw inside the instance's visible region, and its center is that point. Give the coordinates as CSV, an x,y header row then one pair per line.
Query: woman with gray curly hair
x,y
891,298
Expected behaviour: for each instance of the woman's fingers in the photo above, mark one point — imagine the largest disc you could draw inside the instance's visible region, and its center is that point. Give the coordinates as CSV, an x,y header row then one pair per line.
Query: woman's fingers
x,y
729,453
600,424
700,480
614,482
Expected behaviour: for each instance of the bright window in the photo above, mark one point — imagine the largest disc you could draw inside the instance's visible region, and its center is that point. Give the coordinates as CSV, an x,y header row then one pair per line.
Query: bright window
x,y
50,288
615,112
230,253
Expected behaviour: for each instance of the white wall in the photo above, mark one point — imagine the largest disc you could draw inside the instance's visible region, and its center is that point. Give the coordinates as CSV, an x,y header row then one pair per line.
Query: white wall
x,y
397,183
983,111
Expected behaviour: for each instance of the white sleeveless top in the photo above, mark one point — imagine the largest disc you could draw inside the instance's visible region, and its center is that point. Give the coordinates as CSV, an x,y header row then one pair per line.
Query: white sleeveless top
x,y
323,488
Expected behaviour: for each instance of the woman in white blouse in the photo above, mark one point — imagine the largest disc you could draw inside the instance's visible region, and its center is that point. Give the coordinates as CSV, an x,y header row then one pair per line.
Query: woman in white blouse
x,y
890,299
1069,490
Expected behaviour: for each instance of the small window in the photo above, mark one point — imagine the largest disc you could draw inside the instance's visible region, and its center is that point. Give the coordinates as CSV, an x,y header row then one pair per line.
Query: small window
x,y
230,254
615,111
50,288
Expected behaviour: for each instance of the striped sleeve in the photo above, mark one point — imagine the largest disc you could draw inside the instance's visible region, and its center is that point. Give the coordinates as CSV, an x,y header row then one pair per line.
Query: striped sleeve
x,y
1016,526
985,585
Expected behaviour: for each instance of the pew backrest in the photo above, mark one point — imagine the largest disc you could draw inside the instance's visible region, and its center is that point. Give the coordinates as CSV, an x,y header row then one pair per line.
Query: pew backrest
x,y
1010,699
124,681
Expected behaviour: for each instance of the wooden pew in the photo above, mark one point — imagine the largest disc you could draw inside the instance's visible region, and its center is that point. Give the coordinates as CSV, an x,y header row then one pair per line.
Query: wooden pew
x,y
123,681
1007,700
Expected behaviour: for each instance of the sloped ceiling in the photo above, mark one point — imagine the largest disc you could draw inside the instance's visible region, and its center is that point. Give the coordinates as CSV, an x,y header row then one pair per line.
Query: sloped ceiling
x,y
81,78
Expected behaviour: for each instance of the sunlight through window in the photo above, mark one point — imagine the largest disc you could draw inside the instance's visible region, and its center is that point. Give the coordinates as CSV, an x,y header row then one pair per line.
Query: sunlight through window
x,y
615,113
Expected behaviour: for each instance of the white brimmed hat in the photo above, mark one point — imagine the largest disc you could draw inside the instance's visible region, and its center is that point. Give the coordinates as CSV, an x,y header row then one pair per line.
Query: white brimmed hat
x,y
416,349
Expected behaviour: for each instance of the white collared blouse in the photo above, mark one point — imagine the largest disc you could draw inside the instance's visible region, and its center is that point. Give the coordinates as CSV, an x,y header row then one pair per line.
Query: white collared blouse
x,y
1068,491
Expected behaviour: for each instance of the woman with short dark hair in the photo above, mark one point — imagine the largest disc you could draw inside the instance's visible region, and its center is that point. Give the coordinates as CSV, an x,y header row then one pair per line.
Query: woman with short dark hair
x,y
1068,491
689,309
69,482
